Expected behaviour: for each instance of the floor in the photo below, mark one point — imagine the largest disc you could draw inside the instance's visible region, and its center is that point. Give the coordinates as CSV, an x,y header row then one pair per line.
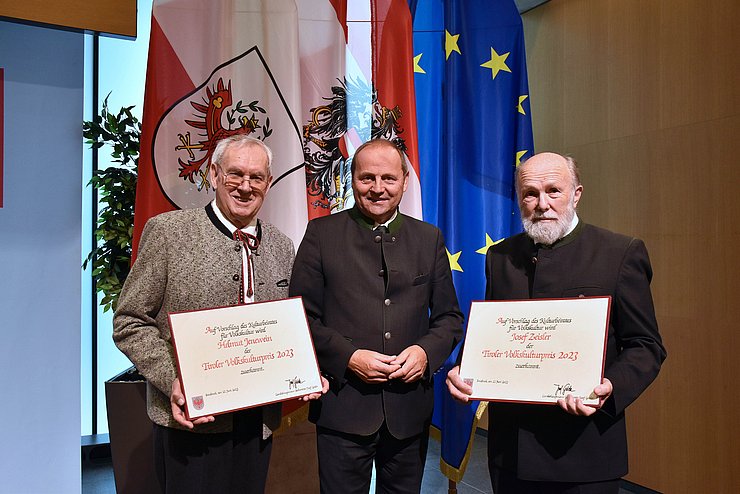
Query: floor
x,y
97,474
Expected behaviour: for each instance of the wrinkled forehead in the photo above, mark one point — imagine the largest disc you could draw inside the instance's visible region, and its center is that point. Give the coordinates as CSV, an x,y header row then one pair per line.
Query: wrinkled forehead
x,y
245,155
542,170
379,159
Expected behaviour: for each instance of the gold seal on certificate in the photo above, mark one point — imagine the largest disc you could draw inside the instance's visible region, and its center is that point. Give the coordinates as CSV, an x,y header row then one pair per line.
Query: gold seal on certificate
x,y
536,351
243,356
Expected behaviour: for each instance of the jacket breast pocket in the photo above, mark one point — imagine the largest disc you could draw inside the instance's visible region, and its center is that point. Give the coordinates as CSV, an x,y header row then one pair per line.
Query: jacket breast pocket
x,y
422,279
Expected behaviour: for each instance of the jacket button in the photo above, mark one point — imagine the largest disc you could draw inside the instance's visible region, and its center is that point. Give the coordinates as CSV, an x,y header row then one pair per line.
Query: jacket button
x,y
387,302
387,335
378,238
393,239
235,277
381,272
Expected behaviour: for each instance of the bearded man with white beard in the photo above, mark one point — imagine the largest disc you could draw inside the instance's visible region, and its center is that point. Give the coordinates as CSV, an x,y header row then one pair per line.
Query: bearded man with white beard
x,y
571,447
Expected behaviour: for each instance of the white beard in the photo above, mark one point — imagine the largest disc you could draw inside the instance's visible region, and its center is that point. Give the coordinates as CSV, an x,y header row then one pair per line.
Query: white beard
x,y
548,232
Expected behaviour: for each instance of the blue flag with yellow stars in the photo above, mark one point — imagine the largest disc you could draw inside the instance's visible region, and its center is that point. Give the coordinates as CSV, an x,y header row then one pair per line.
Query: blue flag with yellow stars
x,y
474,124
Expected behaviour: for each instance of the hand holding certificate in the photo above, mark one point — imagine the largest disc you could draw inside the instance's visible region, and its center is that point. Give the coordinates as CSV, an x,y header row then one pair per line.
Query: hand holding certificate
x,y
536,351
243,356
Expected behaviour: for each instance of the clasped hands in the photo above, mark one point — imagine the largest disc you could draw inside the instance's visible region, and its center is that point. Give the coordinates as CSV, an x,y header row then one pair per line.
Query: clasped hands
x,y
375,367
574,406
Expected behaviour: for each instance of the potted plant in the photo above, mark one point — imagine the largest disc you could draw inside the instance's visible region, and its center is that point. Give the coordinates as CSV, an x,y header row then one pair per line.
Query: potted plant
x,y
116,185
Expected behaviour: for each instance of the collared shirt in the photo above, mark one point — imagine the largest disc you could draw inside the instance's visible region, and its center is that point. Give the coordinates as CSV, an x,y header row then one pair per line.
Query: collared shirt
x,y
246,256
573,225
387,223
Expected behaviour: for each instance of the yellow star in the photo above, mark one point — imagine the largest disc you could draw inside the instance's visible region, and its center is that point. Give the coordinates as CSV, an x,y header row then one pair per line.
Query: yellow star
x,y
489,242
454,261
451,44
519,155
496,63
417,67
519,107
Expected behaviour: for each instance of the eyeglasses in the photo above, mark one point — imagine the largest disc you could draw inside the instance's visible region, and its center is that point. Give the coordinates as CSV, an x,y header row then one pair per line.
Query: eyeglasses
x,y
235,180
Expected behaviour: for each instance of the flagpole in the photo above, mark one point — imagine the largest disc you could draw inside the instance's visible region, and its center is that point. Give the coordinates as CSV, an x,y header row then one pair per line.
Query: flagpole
x,y
451,487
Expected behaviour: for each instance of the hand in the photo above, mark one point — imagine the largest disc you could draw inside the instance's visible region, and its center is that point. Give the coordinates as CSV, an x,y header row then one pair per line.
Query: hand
x,y
177,403
457,387
412,362
372,367
316,396
575,406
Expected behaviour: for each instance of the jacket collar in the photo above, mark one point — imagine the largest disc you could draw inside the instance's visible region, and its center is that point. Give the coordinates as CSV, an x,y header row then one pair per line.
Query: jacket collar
x,y
223,228
366,222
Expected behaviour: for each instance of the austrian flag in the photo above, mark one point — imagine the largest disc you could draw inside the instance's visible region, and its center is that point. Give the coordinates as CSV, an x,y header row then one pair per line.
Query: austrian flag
x,y
313,79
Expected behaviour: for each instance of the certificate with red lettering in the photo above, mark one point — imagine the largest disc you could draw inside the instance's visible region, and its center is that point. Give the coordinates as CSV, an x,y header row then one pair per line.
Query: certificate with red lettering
x,y
536,351
243,356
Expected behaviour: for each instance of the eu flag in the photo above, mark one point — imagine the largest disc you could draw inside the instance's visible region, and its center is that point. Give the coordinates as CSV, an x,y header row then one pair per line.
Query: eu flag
x,y
474,126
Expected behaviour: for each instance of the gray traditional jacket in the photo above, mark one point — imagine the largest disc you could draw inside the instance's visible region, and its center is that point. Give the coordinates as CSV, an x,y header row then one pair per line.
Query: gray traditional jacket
x,y
187,260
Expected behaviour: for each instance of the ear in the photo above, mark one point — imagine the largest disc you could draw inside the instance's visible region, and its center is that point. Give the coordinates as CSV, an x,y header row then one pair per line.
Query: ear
x,y
406,181
269,184
213,174
577,195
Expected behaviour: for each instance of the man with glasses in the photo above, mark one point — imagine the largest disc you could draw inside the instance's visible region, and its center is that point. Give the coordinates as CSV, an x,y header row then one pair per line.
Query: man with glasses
x,y
194,259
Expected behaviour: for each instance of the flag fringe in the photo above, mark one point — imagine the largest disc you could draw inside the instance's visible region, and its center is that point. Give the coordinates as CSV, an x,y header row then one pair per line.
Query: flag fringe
x,y
456,473
293,418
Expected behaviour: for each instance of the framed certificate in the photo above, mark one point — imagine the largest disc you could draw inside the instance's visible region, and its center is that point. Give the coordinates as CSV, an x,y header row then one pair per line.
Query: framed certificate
x,y
536,351
243,356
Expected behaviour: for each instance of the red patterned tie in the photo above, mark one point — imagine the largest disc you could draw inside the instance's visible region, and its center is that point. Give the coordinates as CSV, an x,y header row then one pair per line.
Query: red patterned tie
x,y
250,243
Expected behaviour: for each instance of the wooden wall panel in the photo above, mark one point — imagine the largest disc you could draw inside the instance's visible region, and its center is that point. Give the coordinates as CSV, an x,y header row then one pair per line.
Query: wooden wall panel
x,y
644,94
105,16
586,96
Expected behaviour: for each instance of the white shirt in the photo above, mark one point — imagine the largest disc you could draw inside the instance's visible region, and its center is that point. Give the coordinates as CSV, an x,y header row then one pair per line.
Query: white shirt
x,y
246,256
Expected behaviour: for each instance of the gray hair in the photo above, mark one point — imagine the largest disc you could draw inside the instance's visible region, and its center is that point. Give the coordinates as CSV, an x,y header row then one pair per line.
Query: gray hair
x,y
382,143
241,140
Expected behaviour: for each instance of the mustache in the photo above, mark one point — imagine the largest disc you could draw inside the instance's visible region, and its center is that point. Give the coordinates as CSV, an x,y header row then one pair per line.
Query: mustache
x,y
543,216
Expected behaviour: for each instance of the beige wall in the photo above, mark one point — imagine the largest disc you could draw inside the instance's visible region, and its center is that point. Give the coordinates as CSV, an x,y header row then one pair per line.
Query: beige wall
x,y
645,94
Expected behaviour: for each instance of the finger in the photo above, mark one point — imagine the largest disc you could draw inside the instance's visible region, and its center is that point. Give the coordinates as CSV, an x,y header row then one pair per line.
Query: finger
x,y
584,409
386,370
204,420
386,359
402,358
179,417
412,377
570,405
456,393
398,374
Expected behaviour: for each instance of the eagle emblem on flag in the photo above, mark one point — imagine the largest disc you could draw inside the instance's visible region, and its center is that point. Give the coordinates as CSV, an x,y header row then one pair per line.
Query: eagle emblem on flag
x,y
334,130
216,103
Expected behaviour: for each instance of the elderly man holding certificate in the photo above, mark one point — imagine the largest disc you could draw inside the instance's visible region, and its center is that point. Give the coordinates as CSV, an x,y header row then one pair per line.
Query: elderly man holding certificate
x,y
193,260
563,440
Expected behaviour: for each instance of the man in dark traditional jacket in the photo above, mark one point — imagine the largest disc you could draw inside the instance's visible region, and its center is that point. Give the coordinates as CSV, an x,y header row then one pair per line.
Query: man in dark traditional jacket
x,y
378,292
571,447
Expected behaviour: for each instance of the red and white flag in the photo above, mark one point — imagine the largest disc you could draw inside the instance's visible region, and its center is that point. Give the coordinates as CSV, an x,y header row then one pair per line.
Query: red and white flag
x,y
312,78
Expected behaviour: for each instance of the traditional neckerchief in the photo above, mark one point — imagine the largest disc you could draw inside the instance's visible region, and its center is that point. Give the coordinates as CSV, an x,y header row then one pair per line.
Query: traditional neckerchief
x,y
250,243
